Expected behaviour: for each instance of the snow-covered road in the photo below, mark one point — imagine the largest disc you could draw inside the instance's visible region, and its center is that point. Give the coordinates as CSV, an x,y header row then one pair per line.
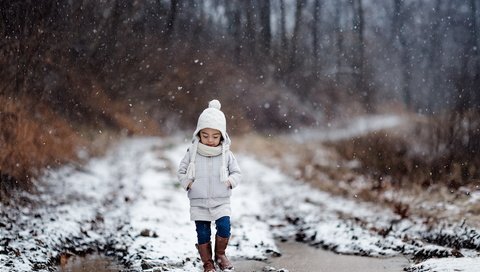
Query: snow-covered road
x,y
128,204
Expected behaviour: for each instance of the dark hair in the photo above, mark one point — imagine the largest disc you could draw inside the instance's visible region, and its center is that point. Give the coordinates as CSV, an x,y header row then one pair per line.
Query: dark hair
x,y
221,136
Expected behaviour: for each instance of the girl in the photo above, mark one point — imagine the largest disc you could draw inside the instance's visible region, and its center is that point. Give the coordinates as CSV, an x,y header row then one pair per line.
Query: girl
x,y
209,172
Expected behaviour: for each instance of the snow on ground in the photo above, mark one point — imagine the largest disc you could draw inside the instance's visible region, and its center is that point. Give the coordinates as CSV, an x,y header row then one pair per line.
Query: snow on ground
x,y
295,209
351,227
354,127
161,213
68,220
128,204
447,265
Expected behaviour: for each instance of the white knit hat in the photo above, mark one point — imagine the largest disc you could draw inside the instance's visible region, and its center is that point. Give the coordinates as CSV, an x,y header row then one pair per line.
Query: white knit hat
x,y
212,117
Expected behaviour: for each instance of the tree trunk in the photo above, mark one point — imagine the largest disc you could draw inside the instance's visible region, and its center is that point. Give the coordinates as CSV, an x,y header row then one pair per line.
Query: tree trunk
x,y
283,30
114,25
249,30
474,48
193,27
359,61
398,33
295,36
236,31
172,15
281,55
315,40
467,87
339,50
266,32
435,45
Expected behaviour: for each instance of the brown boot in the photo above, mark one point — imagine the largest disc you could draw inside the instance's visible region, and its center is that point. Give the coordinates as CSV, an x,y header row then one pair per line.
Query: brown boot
x,y
220,257
205,251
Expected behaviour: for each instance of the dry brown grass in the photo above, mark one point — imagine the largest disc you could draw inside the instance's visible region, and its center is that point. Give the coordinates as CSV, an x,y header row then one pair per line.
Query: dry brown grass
x,y
32,138
433,151
394,168
413,168
119,115
381,154
312,161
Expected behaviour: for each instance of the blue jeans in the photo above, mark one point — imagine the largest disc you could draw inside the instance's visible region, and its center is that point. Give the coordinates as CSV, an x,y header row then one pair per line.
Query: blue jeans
x,y
204,233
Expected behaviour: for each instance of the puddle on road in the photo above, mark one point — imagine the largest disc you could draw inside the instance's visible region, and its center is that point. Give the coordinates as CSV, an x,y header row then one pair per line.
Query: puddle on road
x,y
300,257
94,262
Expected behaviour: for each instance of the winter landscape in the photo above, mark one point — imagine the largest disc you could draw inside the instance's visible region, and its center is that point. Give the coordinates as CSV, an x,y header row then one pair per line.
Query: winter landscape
x,y
128,204
356,124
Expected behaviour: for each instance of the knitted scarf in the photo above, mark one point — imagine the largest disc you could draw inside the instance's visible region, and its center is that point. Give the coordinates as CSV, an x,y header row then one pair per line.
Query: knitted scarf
x,y
209,151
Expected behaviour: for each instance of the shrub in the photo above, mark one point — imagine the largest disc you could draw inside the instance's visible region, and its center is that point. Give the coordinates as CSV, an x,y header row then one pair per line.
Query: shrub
x,y
32,138
434,150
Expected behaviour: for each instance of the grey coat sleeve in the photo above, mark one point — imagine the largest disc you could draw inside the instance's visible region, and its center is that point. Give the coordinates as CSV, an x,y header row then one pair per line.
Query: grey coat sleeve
x,y
234,172
182,171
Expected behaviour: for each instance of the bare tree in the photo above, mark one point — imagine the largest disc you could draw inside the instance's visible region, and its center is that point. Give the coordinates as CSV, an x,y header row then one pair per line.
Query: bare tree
x,y
474,48
283,31
315,33
399,34
433,54
465,81
296,34
359,60
234,28
265,30
249,33
448,38
171,20
280,53
339,50
27,29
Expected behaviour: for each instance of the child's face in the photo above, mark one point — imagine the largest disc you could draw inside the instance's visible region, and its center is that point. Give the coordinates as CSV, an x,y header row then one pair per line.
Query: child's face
x,y
210,136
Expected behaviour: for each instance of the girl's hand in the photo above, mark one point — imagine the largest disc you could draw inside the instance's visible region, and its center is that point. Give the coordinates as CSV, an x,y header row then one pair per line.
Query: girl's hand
x,y
229,184
189,185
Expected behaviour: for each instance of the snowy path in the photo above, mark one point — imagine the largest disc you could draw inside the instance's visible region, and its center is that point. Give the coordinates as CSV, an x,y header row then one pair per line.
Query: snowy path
x,y
161,213
128,204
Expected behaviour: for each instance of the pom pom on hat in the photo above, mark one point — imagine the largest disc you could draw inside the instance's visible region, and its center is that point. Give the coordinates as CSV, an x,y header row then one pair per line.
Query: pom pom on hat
x,y
215,104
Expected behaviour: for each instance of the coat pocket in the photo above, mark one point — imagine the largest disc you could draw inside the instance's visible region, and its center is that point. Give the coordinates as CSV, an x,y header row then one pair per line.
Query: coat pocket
x,y
221,190
199,189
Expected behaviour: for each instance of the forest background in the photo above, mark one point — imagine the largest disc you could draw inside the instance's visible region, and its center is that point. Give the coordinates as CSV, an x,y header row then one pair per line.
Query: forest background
x,y
76,74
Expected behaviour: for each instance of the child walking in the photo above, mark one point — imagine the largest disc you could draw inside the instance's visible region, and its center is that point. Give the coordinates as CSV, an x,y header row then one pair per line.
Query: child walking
x,y
209,172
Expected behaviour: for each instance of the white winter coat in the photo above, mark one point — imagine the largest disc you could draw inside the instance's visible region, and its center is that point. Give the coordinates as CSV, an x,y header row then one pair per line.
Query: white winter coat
x,y
207,190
